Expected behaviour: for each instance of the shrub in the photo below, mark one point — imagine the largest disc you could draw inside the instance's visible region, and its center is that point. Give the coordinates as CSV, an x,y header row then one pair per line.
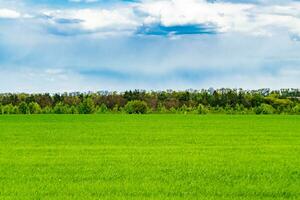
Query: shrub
x,y
15,110
264,109
9,109
229,109
162,109
136,107
116,109
23,108
47,110
73,110
172,110
240,109
296,109
87,106
183,109
102,109
34,108
202,110
60,108
218,110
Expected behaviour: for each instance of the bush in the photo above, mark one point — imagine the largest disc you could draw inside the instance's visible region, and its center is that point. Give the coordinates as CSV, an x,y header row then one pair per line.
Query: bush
x,y
102,109
116,109
229,109
23,108
183,109
162,109
240,109
136,107
202,110
264,109
60,108
87,106
47,110
296,109
8,109
34,108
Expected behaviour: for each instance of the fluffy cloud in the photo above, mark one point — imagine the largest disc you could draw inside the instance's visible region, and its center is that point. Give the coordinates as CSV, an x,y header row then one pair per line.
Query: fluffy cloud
x,y
169,17
165,17
246,18
225,16
9,14
91,20
229,45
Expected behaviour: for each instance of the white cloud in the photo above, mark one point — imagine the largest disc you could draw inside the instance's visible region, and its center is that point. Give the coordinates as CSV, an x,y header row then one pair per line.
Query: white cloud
x,y
181,12
93,20
9,14
246,18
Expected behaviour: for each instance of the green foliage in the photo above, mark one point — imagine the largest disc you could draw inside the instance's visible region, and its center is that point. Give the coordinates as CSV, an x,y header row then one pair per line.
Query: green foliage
x,y
281,105
34,108
229,110
102,109
136,107
60,108
162,109
184,109
202,110
296,109
172,110
47,110
116,109
87,106
9,109
23,108
73,110
264,109
240,109
220,101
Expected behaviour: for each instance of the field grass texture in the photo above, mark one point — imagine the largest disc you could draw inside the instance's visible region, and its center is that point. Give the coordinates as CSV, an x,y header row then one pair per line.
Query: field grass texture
x,y
149,157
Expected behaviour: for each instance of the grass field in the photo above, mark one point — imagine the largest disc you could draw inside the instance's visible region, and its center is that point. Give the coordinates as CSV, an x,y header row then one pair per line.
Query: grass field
x,y
149,157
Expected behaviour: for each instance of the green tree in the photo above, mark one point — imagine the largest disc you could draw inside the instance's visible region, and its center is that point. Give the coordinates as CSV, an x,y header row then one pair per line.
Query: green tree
x,y
87,106
184,109
73,110
23,108
60,108
102,109
296,109
136,107
8,109
47,110
264,109
202,110
162,109
34,108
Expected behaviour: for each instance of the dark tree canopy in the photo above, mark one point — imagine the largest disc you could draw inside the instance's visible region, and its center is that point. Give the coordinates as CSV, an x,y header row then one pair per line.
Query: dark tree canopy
x,y
220,101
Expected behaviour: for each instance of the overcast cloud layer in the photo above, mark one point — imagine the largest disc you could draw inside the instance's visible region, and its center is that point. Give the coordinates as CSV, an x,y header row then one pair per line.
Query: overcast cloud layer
x,y
83,45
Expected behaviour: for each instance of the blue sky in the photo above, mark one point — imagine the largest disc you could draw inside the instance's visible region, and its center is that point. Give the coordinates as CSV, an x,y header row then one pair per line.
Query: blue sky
x,y
90,45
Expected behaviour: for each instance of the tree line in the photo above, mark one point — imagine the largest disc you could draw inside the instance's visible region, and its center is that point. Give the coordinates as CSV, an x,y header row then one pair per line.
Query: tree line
x,y
215,101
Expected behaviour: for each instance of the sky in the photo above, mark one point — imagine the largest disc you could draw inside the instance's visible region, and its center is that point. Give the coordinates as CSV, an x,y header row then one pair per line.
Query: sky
x,y
117,45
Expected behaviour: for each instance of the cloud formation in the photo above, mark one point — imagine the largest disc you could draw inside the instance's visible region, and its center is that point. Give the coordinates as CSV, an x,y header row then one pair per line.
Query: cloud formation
x,y
148,44
91,20
153,17
9,14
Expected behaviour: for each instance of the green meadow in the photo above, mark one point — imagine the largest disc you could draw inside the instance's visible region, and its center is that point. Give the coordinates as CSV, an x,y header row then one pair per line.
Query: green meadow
x,y
149,157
